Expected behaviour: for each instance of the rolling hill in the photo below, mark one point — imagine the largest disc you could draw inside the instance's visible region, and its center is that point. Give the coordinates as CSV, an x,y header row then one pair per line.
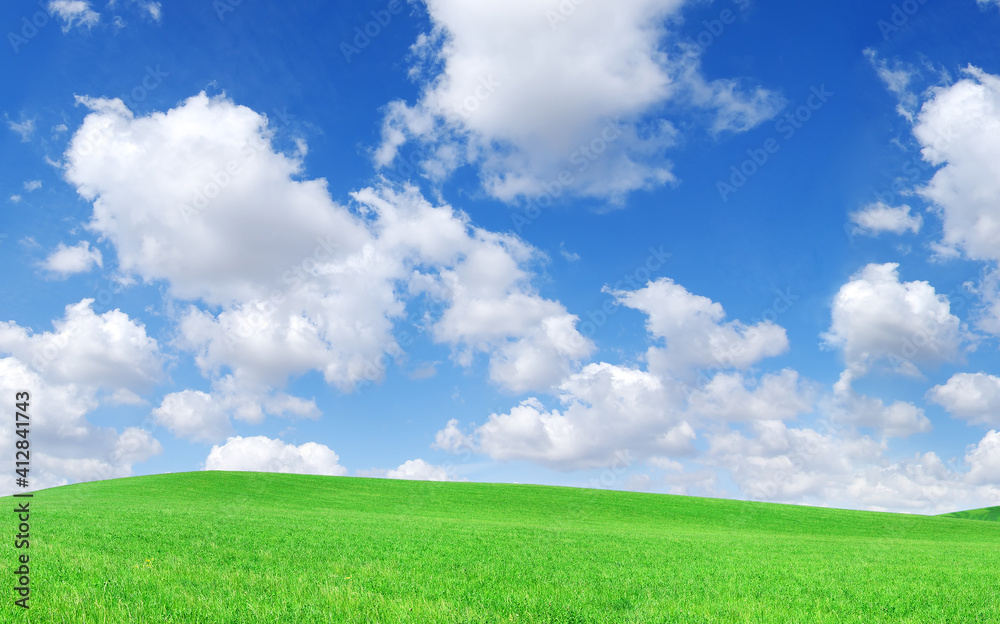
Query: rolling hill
x,y
206,547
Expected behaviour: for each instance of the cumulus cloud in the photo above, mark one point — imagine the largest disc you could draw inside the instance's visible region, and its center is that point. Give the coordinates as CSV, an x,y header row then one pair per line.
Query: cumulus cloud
x,y
418,470
206,416
74,13
32,185
899,419
877,218
973,397
608,411
877,318
314,285
193,415
695,332
564,104
731,397
262,454
956,129
79,258
87,360
777,463
109,351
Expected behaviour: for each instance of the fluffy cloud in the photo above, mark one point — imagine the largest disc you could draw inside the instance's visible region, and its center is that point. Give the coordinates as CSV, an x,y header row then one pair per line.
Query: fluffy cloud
x,y
612,412
956,128
88,359
528,94
899,419
878,318
205,417
609,410
109,351
80,258
973,397
732,397
696,334
303,282
193,415
778,463
74,13
262,454
418,470
877,218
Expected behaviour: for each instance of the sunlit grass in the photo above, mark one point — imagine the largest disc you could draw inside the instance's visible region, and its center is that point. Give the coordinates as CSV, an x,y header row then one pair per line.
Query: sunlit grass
x,y
254,547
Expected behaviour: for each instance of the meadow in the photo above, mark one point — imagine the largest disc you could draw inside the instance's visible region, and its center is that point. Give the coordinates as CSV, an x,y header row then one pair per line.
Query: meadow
x,y
231,547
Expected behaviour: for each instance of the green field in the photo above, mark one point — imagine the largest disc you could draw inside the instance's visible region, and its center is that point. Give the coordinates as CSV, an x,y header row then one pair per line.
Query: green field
x,y
991,514
260,548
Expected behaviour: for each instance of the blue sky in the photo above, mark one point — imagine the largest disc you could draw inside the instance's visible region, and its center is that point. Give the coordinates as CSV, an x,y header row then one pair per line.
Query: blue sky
x,y
730,248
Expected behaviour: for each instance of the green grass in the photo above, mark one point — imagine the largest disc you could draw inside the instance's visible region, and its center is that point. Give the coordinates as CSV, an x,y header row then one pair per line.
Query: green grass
x,y
991,514
260,548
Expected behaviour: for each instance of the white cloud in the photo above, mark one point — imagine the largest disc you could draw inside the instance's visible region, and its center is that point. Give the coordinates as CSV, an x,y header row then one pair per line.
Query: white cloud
x,y
727,397
25,128
956,129
109,351
877,318
87,360
876,218
897,80
451,438
899,419
528,98
988,2
15,198
262,454
695,333
973,397
74,13
205,417
193,415
804,466
79,258
154,9
609,411
197,210
32,185
983,460
418,470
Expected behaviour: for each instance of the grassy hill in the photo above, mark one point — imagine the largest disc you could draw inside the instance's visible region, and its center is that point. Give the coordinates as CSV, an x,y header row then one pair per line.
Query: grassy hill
x,y
262,548
991,514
